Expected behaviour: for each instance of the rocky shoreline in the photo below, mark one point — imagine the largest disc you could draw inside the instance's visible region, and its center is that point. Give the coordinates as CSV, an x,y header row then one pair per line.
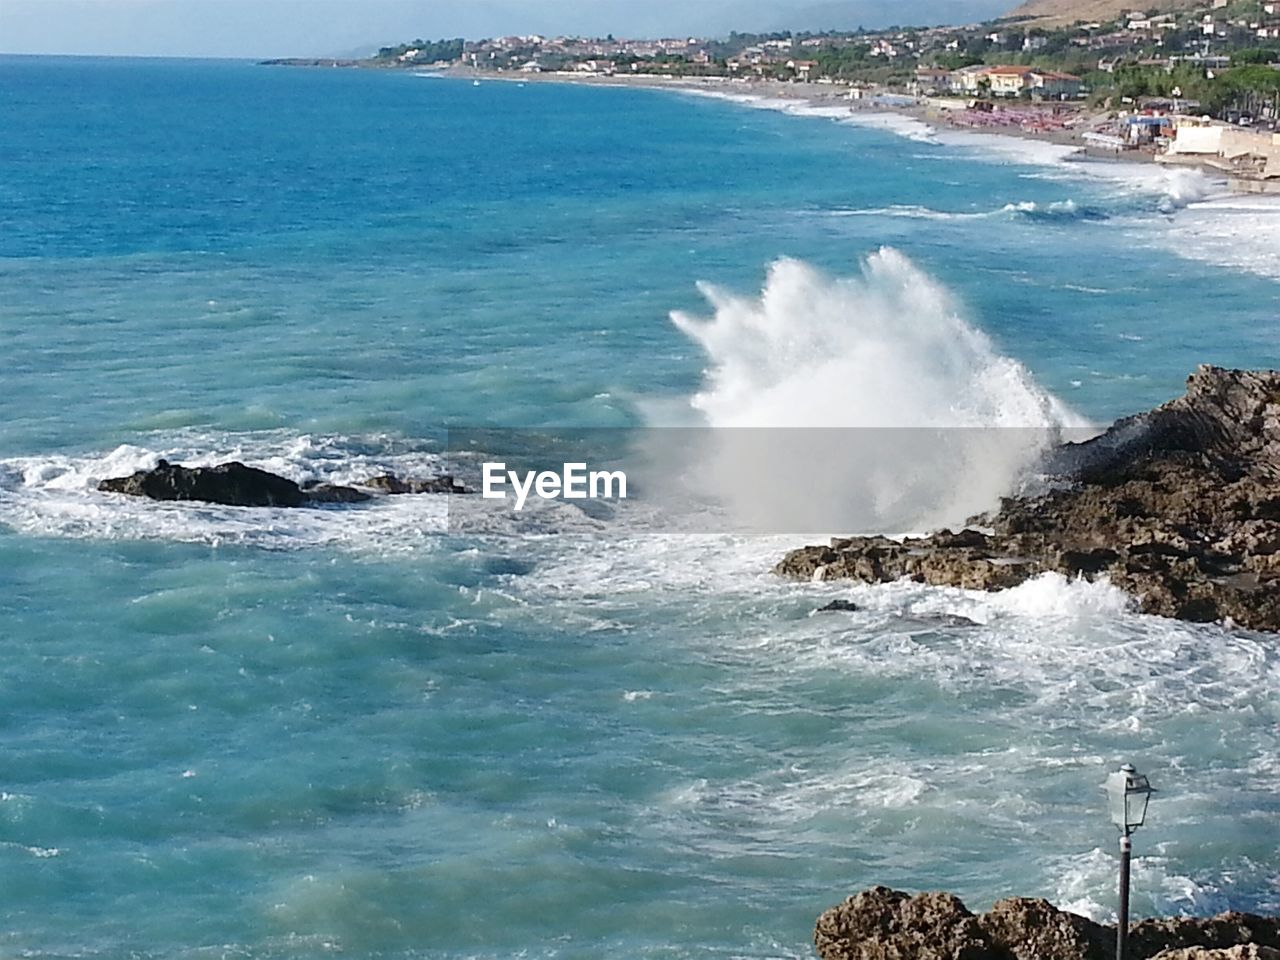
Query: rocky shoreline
x,y
1179,506
884,924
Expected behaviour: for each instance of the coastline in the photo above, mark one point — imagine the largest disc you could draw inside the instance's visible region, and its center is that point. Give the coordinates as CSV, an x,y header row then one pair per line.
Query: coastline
x,y
1069,125
825,97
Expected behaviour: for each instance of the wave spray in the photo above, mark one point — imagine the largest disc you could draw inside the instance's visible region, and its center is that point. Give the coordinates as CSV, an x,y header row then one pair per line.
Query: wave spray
x,y
864,404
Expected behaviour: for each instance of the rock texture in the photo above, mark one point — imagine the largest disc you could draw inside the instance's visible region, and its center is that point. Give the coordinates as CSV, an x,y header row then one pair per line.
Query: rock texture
x,y
838,606
389,483
884,924
234,484
1179,506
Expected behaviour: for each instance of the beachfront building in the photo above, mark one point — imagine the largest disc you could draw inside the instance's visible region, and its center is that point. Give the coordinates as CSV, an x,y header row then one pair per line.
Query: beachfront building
x,y
1015,81
1249,154
804,69
932,79
999,81
968,79
1056,85
1009,81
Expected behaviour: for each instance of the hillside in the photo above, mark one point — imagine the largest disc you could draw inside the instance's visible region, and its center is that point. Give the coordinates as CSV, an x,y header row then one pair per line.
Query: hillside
x,y
1063,12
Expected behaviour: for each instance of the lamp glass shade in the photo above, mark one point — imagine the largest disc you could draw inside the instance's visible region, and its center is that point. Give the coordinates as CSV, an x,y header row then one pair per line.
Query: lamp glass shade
x,y
1128,793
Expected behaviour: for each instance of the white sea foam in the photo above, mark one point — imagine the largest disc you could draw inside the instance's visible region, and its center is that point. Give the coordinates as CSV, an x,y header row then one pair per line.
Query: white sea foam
x,y
1233,233
903,126
1088,880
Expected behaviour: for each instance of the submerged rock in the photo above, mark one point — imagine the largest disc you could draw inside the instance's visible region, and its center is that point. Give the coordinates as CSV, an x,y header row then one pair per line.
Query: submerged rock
x,y
840,606
884,924
317,492
389,483
237,485
1179,506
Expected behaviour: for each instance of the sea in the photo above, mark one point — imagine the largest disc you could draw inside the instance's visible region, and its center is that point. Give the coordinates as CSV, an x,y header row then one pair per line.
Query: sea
x,y
363,731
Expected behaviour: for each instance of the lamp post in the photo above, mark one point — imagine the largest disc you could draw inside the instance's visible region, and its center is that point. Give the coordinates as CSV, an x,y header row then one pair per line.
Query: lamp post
x,y
1128,793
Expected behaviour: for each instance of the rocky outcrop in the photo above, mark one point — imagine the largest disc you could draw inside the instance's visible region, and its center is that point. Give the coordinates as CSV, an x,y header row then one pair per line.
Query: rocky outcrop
x,y
1179,506
1244,951
1169,938
228,483
884,924
234,484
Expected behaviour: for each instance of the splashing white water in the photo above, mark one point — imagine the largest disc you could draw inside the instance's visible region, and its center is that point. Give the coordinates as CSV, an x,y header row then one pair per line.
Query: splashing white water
x,y
887,349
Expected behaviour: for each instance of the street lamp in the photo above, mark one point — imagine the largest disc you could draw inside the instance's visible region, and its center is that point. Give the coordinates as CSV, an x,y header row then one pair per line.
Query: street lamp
x,y
1128,793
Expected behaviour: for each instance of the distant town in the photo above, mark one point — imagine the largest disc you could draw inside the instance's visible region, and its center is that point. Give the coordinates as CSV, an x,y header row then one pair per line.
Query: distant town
x,y
1225,57
1160,83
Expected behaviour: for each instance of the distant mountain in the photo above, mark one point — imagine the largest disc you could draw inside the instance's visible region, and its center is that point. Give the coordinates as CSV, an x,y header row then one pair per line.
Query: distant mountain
x,y
1071,11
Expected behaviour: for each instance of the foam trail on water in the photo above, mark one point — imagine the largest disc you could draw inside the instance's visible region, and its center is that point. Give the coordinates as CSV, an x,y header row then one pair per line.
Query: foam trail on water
x,y
885,349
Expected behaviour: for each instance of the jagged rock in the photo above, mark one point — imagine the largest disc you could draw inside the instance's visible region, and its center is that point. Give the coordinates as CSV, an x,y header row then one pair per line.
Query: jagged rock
x,y
884,924
1155,937
234,484
1179,506
838,606
1032,929
1244,951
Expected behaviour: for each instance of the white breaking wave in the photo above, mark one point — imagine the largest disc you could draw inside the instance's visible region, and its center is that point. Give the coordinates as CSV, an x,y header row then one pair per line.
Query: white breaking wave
x,y
1065,209
888,348
921,398
903,126
897,123
1234,233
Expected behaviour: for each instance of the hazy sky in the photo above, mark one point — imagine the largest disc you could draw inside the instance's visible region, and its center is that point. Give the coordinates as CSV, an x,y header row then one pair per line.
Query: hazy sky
x,y
262,28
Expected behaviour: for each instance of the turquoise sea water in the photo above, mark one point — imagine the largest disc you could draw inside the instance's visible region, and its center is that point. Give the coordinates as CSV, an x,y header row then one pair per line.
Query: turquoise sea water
x,y
341,732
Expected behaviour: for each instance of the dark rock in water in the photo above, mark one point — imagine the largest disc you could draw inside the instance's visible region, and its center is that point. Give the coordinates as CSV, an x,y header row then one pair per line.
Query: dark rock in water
x,y
317,492
1180,507
884,924
389,483
232,484
508,566
842,606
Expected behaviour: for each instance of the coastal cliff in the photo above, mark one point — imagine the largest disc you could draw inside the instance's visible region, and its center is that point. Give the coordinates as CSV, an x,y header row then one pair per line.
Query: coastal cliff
x,y
1179,506
884,924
